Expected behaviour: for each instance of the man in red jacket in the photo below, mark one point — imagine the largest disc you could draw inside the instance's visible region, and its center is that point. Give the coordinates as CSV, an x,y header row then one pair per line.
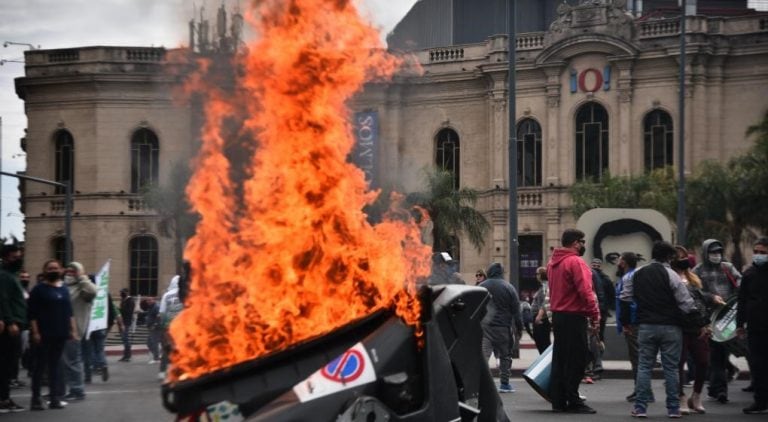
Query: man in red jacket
x,y
574,311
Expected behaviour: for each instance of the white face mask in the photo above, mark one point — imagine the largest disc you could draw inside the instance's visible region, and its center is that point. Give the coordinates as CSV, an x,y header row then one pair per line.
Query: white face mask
x,y
759,259
715,258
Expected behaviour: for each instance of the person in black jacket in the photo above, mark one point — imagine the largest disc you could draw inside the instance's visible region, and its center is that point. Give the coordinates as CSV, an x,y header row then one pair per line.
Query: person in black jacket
x,y
751,312
664,306
503,314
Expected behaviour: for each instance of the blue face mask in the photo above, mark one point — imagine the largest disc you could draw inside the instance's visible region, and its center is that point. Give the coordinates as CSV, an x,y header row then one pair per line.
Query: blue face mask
x,y
759,259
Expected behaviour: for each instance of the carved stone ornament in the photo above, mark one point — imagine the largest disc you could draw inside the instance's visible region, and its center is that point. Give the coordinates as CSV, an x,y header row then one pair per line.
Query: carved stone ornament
x,y
608,17
553,101
625,95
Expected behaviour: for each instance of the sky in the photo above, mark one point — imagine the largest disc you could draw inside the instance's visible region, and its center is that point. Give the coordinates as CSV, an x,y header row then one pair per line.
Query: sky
x,y
51,24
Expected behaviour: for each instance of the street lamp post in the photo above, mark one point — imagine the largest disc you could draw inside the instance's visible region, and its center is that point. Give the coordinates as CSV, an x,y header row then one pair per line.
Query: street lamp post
x,y
686,7
514,267
67,208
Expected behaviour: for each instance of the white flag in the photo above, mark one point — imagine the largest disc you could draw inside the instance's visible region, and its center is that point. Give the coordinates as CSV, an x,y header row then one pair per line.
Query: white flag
x,y
100,309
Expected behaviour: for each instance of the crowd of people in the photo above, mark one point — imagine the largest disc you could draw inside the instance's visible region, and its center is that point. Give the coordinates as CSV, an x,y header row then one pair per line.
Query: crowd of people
x,y
664,309
47,330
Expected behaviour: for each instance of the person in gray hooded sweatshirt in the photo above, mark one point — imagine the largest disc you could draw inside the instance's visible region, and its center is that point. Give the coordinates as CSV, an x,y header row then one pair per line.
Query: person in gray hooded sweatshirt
x,y
170,306
721,280
503,312
81,293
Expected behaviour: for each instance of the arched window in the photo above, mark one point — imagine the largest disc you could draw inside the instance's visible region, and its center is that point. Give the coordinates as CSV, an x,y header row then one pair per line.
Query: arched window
x,y
659,140
528,153
144,159
59,249
447,158
143,269
591,142
64,160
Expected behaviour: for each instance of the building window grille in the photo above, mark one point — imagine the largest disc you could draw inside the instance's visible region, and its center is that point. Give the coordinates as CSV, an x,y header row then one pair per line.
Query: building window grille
x,y
144,159
528,153
64,160
658,138
59,248
591,142
448,153
143,266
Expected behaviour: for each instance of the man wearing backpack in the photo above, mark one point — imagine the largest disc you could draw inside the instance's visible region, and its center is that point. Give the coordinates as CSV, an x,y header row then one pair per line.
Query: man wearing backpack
x,y
718,278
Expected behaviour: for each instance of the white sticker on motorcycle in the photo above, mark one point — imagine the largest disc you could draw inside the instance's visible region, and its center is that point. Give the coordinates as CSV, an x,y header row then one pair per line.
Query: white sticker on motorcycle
x,y
353,368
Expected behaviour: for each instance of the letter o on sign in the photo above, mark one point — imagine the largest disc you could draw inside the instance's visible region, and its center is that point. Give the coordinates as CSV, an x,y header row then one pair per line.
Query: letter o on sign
x,y
598,82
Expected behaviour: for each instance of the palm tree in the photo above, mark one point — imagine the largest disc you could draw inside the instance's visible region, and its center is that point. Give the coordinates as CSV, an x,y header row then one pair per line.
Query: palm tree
x,y
170,202
452,211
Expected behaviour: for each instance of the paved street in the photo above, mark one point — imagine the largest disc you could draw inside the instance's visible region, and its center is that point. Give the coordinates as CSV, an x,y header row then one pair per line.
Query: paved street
x,y
132,394
607,397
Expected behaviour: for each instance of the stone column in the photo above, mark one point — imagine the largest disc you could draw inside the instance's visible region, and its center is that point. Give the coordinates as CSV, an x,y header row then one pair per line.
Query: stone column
x,y
497,130
556,151
714,112
619,158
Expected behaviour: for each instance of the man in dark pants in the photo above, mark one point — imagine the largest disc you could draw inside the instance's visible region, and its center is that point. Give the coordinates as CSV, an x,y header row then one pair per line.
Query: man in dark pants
x,y
753,302
127,310
574,310
13,319
503,313
718,279
626,268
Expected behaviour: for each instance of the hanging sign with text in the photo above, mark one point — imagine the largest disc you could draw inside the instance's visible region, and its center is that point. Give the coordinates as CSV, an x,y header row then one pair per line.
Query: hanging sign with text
x,y
364,155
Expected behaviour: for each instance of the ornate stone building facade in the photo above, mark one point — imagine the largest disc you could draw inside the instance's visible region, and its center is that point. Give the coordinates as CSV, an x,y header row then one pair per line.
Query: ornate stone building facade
x,y
596,93
103,118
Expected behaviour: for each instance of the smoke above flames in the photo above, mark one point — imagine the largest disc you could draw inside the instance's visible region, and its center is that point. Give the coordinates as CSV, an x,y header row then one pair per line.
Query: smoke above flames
x,y
283,251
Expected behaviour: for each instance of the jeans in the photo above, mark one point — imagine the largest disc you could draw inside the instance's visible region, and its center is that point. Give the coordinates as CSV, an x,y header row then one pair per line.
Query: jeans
x,y
631,339
718,369
125,335
499,341
651,339
698,348
46,356
153,342
98,357
72,362
87,354
6,351
758,348
569,359
541,334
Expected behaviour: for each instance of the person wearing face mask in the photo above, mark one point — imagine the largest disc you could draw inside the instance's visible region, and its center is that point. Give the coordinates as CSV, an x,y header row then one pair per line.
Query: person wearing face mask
x,y
693,341
721,280
13,320
751,313
81,293
664,308
574,310
51,324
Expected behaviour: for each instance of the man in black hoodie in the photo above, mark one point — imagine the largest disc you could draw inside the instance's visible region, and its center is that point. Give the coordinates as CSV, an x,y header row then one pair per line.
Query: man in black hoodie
x,y
751,311
503,312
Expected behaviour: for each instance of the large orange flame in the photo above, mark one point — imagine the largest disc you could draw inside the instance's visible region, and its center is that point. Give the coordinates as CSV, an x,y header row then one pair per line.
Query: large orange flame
x,y
288,254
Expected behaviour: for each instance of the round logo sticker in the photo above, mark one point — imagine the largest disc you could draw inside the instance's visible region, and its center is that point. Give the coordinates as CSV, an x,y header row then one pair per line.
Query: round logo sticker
x,y
345,368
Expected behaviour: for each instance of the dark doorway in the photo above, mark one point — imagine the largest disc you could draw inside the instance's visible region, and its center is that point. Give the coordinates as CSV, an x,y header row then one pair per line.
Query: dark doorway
x,y
530,259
